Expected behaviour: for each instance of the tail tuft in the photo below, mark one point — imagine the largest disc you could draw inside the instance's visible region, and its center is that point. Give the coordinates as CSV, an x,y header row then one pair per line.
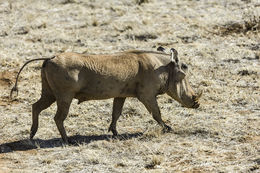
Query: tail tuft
x,y
13,90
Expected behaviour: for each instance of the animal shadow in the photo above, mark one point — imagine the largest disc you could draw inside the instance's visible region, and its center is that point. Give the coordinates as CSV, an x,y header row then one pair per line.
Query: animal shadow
x,y
76,140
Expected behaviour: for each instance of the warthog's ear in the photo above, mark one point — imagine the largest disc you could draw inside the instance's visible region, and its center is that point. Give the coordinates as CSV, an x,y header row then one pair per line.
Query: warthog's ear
x,y
174,55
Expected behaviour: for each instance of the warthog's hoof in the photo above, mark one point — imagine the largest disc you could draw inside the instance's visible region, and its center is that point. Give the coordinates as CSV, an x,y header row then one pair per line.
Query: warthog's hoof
x,y
167,129
70,142
32,134
114,133
113,130
66,141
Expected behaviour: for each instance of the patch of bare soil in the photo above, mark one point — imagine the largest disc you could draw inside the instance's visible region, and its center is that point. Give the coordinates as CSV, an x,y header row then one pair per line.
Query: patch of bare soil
x,y
6,81
6,78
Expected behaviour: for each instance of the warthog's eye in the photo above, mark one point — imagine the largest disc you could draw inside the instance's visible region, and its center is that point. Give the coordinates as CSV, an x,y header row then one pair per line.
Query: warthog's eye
x,y
184,66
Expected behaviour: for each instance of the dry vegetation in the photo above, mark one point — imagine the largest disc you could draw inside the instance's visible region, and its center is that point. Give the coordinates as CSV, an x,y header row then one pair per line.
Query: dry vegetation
x,y
220,40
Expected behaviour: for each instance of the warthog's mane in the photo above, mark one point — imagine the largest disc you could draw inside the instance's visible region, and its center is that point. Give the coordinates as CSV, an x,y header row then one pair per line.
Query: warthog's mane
x,y
145,51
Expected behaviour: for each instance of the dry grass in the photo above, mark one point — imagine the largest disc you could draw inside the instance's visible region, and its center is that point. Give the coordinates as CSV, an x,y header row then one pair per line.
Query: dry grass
x,y
220,45
249,24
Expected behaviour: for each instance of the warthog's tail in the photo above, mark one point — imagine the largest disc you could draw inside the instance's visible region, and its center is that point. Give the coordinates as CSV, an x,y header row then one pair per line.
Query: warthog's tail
x,y
15,88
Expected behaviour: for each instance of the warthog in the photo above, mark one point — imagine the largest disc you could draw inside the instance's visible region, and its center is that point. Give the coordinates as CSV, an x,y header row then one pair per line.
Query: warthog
x,y
140,74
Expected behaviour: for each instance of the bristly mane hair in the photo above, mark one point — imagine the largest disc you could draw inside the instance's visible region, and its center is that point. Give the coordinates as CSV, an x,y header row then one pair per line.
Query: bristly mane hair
x,y
145,51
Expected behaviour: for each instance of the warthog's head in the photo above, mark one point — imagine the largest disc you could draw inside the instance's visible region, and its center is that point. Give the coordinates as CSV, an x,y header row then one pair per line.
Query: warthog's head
x,y
179,87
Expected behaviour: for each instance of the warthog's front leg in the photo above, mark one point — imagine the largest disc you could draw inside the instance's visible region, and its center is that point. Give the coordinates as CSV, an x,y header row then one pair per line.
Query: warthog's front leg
x,y
117,110
152,106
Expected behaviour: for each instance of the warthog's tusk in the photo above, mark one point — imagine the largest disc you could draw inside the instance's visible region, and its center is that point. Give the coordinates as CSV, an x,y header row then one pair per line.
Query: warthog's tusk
x,y
199,95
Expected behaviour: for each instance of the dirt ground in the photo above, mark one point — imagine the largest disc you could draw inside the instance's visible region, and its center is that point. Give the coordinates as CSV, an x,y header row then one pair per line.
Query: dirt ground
x,y
218,39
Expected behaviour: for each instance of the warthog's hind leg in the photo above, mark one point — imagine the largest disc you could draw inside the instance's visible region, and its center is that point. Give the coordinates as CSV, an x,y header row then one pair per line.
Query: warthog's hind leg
x,y
117,110
44,102
63,105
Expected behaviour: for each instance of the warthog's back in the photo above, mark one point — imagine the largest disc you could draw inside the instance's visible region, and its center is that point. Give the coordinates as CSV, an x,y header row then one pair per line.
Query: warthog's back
x,y
97,76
